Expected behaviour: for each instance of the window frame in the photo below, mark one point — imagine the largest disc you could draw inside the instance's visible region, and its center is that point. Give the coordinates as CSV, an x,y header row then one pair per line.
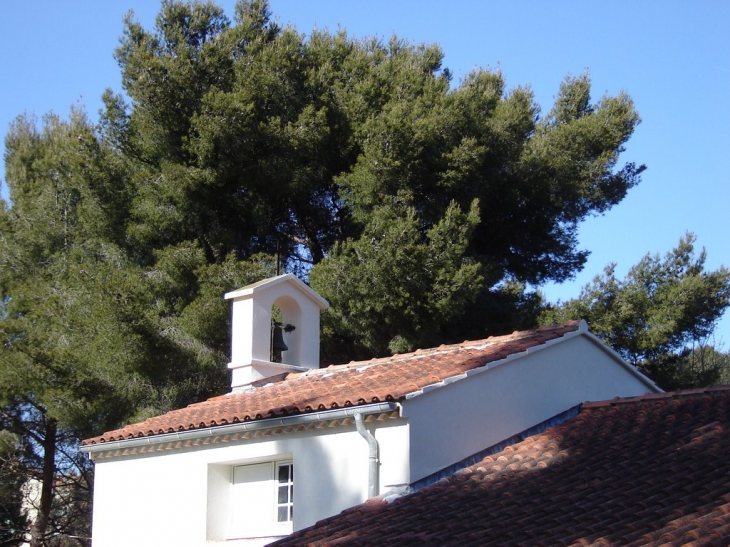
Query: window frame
x,y
266,492
287,486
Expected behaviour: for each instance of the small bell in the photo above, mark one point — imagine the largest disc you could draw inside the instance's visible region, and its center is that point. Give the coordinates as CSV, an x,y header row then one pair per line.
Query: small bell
x,y
278,340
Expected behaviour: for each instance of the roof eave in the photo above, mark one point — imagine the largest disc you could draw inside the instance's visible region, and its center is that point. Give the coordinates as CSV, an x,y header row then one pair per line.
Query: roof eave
x,y
243,427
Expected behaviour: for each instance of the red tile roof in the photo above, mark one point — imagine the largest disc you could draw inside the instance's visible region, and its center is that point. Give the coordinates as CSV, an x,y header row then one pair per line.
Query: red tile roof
x,y
651,470
357,383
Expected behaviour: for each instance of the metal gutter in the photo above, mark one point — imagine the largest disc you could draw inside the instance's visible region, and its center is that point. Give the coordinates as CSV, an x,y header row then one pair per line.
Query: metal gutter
x,y
243,427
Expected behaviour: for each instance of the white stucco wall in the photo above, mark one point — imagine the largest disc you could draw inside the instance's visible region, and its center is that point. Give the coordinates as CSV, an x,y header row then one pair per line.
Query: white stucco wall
x,y
455,421
179,497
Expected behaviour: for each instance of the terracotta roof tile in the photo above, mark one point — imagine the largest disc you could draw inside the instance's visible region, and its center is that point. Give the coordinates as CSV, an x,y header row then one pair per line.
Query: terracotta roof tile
x,y
651,470
357,383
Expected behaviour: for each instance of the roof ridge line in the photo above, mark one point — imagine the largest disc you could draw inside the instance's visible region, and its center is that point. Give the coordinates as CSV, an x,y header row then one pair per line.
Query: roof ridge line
x,y
444,349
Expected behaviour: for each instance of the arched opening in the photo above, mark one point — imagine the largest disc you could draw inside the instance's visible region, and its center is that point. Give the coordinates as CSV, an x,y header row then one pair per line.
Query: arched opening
x,y
286,327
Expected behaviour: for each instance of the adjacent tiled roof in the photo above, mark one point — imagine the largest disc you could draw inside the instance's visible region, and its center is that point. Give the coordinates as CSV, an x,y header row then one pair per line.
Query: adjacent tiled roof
x,y
357,383
651,470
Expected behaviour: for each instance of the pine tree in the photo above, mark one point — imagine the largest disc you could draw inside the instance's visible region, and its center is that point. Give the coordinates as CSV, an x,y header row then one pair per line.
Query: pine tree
x,y
65,344
244,137
654,317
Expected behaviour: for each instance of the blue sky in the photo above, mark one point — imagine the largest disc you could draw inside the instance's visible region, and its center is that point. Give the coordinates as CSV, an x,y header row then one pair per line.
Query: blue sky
x,y
672,57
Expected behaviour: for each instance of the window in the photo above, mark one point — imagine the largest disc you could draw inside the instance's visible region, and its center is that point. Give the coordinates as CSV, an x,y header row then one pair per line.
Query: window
x,y
284,492
262,499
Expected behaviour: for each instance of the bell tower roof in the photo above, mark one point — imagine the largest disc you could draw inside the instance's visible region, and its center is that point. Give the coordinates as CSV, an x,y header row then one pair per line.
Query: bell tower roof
x,y
270,283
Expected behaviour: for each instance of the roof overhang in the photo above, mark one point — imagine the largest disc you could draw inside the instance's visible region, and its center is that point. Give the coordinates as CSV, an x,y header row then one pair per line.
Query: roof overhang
x,y
240,431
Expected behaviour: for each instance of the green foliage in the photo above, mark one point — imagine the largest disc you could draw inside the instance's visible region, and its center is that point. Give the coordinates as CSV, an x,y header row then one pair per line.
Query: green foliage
x,y
242,137
296,141
189,323
66,344
395,288
663,307
59,264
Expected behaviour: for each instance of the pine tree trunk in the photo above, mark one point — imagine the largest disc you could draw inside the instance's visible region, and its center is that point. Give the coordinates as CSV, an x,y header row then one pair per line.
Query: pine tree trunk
x,y
38,530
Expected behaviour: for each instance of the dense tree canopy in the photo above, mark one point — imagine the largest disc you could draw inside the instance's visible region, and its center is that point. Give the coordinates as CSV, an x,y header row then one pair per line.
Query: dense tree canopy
x,y
395,280
242,137
419,207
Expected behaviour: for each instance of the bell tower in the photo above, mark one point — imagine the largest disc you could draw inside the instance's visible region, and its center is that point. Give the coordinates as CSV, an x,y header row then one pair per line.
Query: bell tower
x,y
253,329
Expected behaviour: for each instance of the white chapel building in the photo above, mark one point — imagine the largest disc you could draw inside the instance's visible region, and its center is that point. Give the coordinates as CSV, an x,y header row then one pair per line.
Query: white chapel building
x,y
292,443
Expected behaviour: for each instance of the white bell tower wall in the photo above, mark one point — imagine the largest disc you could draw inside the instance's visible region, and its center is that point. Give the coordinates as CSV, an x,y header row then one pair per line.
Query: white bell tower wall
x,y
251,328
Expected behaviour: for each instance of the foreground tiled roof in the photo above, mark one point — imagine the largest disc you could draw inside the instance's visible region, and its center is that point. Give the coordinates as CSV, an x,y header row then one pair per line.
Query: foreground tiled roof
x,y
357,383
652,470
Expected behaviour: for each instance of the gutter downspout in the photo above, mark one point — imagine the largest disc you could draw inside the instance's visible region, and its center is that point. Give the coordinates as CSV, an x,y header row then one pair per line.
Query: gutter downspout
x,y
373,464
